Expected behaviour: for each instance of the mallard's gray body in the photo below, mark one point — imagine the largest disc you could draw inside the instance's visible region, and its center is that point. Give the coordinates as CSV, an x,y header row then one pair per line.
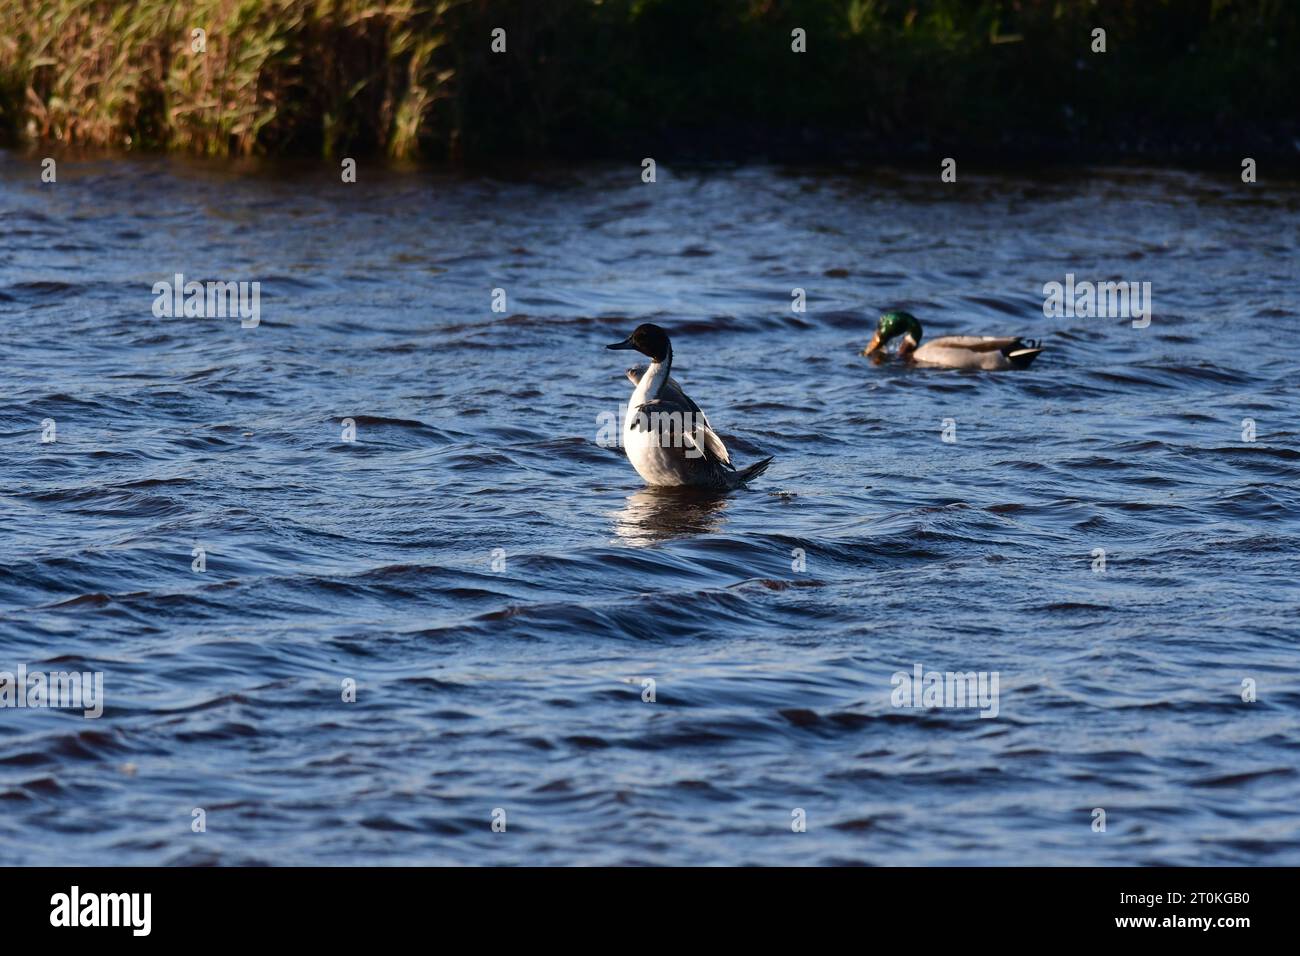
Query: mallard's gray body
x,y
990,352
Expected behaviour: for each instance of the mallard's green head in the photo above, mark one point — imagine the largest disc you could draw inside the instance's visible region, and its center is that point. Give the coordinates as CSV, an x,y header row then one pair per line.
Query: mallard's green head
x,y
892,325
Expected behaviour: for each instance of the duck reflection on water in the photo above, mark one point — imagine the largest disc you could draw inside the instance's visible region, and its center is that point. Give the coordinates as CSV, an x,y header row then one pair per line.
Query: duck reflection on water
x,y
661,514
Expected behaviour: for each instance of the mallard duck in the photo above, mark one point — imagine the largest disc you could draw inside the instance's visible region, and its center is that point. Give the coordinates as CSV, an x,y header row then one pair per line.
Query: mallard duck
x,y
990,352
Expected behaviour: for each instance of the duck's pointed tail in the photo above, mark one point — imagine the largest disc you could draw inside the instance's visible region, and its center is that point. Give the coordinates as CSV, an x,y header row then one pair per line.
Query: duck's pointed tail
x,y
750,473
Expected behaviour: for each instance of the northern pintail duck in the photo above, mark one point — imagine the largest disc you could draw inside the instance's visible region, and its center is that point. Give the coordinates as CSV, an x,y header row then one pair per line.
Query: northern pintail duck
x,y
990,352
666,436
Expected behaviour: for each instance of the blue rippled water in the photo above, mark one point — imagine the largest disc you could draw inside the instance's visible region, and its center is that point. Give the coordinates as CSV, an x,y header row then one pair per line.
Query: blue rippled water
x,y
500,586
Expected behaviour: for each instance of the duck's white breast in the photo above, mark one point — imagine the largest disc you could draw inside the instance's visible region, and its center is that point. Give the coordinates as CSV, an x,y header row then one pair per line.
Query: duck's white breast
x,y
656,465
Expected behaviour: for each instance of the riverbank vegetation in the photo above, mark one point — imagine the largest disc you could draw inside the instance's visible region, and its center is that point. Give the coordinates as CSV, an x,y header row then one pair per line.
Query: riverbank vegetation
x,y
879,79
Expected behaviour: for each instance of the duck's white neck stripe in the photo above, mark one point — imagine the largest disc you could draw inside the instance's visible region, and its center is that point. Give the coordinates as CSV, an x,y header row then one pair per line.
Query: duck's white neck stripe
x,y
655,378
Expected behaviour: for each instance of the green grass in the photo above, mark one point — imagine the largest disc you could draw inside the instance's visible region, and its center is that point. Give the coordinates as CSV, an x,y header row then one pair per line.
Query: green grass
x,y
279,76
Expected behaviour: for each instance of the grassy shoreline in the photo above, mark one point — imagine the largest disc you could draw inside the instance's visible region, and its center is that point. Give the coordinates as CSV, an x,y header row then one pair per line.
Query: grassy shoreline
x,y
882,80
